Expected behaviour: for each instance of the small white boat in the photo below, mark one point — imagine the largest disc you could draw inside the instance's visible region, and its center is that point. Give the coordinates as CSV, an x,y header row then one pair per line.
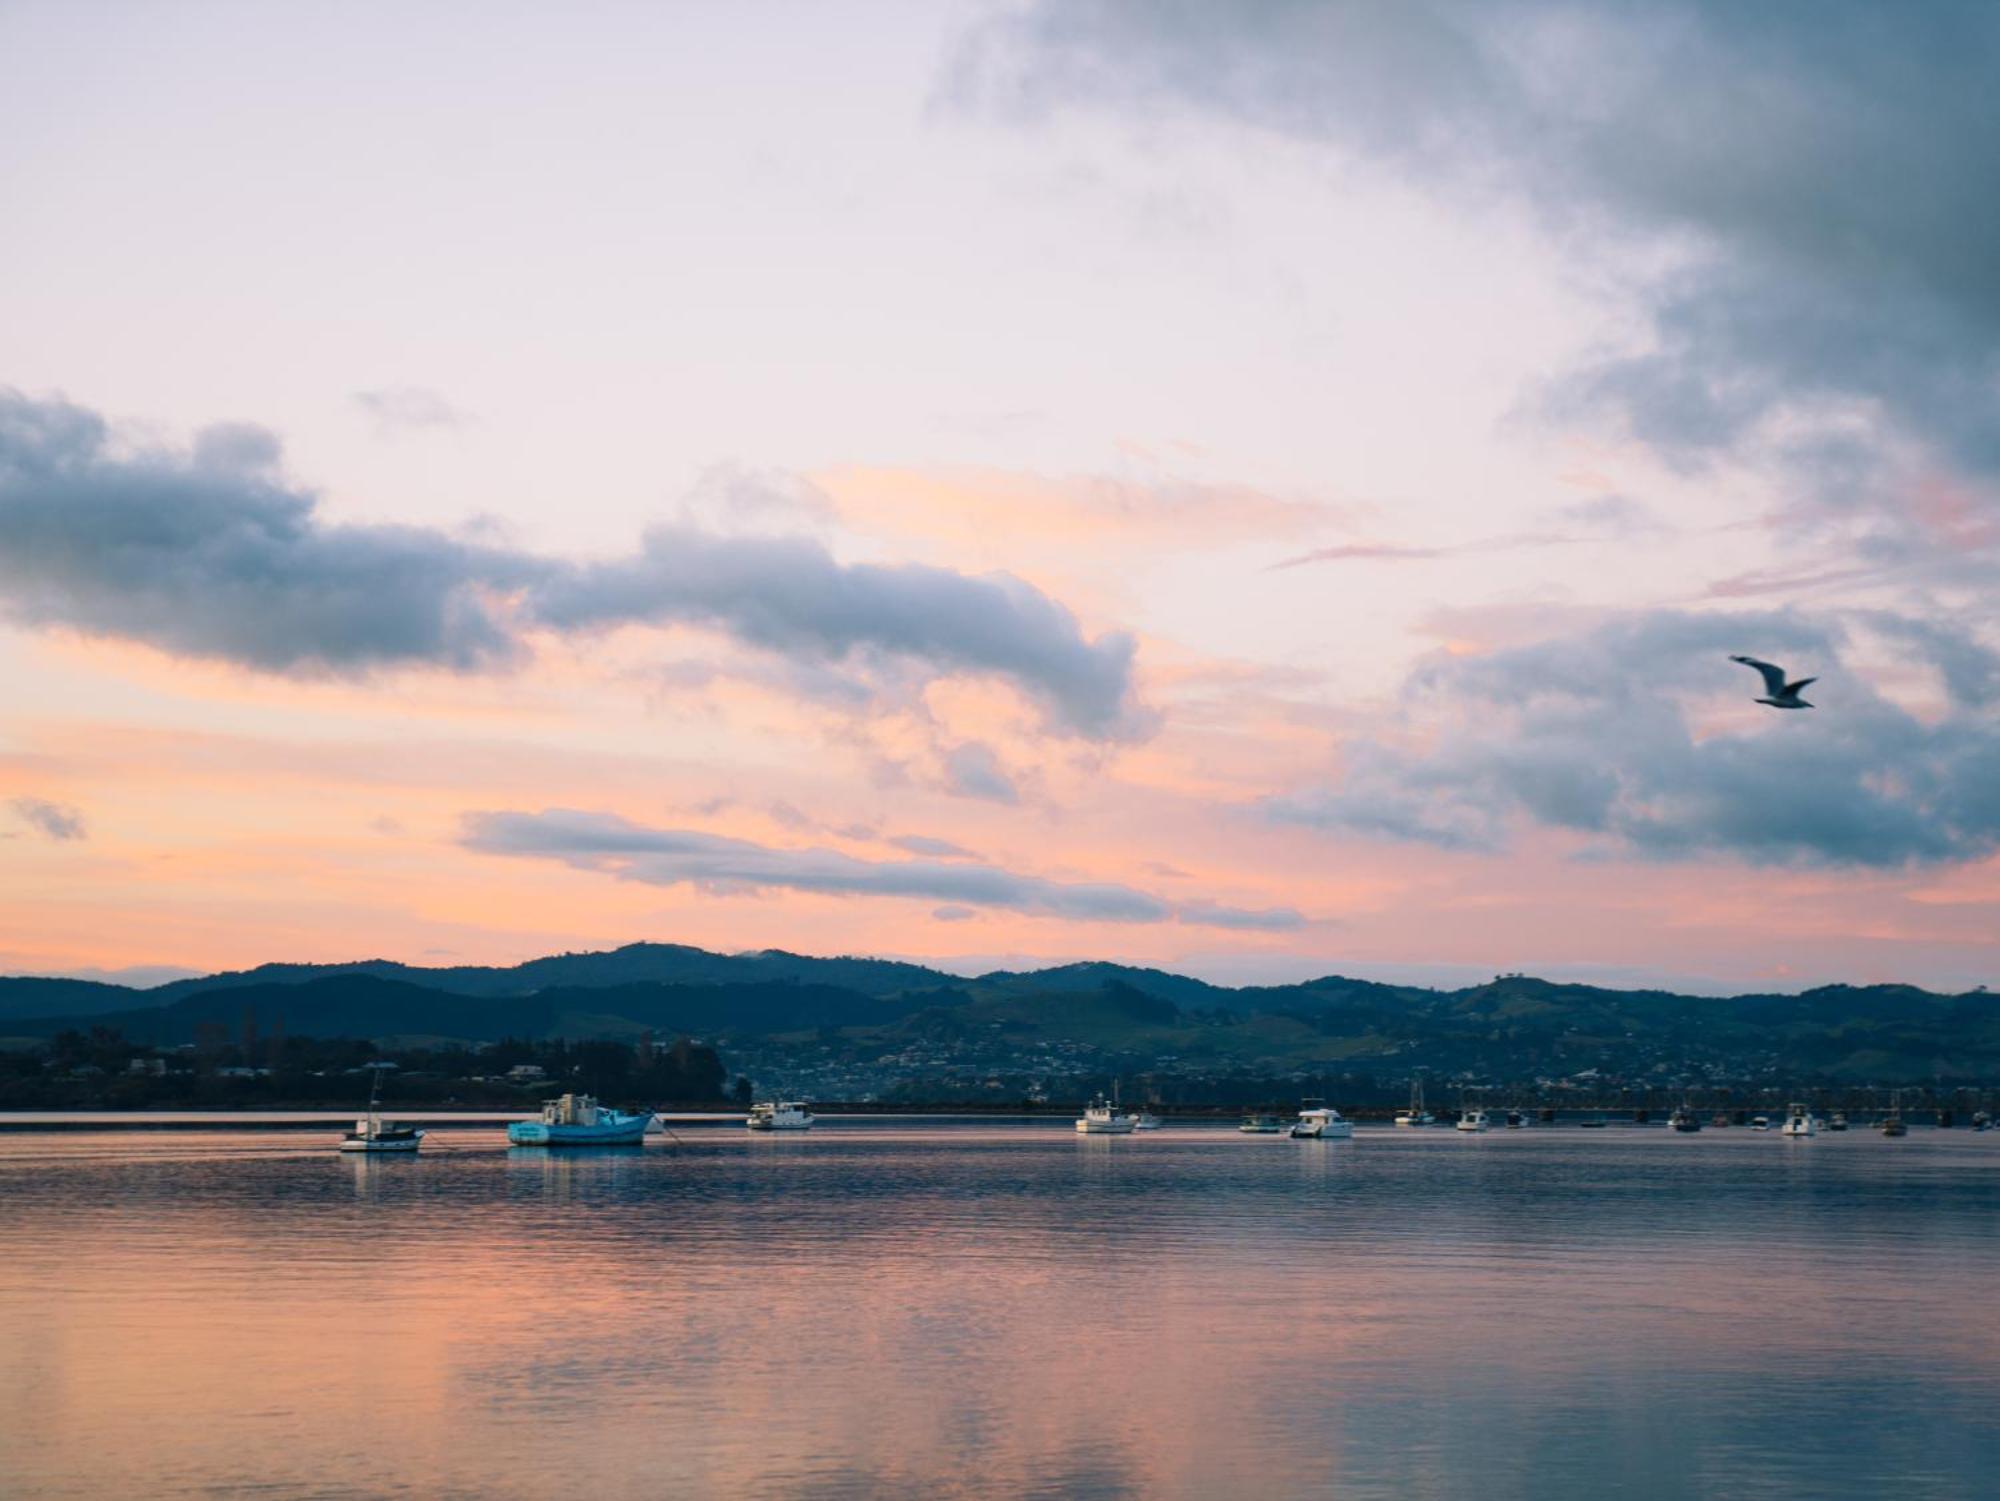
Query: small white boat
x,y
1260,1125
1893,1124
1416,1115
1104,1118
1516,1119
1799,1122
1473,1120
783,1115
373,1134
1319,1121
1760,1123
1145,1120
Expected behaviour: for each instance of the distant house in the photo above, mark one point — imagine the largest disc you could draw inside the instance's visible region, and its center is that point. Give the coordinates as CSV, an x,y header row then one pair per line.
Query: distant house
x,y
526,1073
238,1072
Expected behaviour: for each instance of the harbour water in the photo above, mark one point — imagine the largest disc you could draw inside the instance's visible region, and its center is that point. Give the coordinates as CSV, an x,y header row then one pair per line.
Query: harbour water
x,y
944,1308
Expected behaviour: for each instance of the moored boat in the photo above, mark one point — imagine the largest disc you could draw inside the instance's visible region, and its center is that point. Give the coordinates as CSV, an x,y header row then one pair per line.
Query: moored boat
x,y
373,1134
781,1115
1104,1118
1684,1120
1837,1121
1319,1121
1893,1123
1260,1125
1799,1121
1517,1119
1145,1120
1760,1123
1416,1115
577,1120
1473,1120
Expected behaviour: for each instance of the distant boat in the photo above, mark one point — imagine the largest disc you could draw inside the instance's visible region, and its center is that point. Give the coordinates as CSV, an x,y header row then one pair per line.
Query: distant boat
x,y
1145,1120
1720,1118
1103,1118
1892,1124
1595,1123
1837,1121
577,1120
1799,1121
784,1115
1416,1115
1684,1120
1261,1125
373,1134
1473,1120
1760,1123
1319,1121
1516,1119
1981,1121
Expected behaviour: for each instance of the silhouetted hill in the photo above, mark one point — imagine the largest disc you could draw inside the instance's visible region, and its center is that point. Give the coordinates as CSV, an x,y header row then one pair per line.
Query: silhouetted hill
x,y
47,997
1514,1025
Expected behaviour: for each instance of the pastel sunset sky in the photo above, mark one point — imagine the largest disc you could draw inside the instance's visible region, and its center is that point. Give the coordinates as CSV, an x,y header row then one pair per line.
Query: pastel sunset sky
x,y
1262,490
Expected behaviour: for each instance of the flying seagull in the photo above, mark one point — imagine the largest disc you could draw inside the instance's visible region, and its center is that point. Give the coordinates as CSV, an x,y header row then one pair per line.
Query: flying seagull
x,y
1783,695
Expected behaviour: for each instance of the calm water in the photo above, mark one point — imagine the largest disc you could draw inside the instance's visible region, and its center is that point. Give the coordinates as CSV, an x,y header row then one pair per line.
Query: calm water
x,y
945,1309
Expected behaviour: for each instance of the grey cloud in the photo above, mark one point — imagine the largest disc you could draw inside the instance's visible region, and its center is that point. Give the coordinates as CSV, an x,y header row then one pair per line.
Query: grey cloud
x,y
924,844
1824,166
1614,515
1254,920
51,820
973,770
953,914
397,409
212,553
716,863
1968,667
1591,734
788,595
1390,552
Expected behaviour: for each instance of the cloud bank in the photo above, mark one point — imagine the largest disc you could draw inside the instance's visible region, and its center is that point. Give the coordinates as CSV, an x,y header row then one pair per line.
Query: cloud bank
x,y
716,863
1592,734
211,553
1798,193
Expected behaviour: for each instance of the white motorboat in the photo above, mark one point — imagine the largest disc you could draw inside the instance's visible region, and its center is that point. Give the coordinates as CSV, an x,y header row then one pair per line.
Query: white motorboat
x,y
1473,1120
1760,1123
373,1134
1416,1115
1799,1121
1260,1125
1319,1121
1104,1118
1145,1120
781,1115
1516,1119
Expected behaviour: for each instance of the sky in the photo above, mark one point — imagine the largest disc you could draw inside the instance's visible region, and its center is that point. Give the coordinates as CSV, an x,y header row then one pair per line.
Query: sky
x,y
1262,490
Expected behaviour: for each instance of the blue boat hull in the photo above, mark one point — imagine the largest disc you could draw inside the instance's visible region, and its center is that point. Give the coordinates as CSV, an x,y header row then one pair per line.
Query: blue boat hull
x,y
630,1131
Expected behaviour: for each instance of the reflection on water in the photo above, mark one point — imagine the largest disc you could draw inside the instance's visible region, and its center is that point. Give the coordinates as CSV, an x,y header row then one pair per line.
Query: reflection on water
x,y
894,1310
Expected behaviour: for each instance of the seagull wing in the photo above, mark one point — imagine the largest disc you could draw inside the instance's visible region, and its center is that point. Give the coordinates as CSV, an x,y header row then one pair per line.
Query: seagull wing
x,y
1792,689
1774,677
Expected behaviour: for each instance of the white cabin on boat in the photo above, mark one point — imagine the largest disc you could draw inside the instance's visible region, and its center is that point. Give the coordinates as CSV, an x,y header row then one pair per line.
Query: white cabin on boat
x,y
780,1115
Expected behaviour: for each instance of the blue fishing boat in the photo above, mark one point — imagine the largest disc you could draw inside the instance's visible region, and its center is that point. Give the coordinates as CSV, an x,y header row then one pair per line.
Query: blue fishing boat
x,y
577,1120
